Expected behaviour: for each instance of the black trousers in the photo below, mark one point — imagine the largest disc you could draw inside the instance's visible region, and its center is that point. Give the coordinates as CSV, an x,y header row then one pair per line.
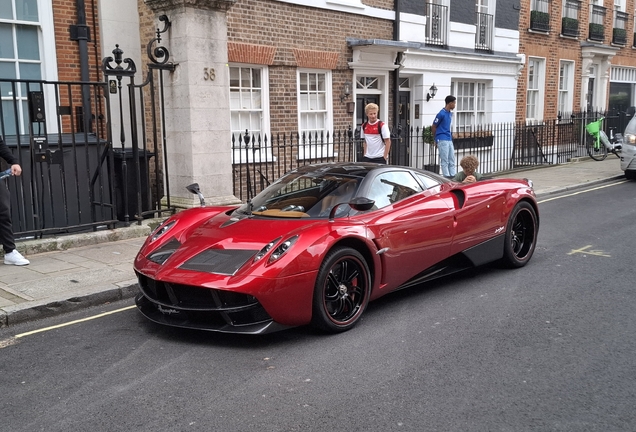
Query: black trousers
x,y
6,227
379,160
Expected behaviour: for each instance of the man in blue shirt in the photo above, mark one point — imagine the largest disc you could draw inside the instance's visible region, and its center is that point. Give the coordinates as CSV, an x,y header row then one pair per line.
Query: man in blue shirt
x,y
443,138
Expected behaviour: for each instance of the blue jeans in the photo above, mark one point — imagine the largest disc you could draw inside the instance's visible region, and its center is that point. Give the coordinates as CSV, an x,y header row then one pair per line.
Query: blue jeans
x,y
447,157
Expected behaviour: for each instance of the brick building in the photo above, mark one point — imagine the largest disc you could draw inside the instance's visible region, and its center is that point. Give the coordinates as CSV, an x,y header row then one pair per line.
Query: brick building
x,y
578,56
356,51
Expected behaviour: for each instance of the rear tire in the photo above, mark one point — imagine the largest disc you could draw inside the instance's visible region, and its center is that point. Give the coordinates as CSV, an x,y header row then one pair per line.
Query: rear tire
x,y
521,236
630,174
342,289
598,154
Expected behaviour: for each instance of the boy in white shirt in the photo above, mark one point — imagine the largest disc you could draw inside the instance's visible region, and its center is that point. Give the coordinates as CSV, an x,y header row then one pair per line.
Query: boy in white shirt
x,y
376,136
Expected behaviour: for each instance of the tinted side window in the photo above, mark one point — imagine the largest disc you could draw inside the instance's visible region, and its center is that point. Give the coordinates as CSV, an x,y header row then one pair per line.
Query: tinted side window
x,y
391,187
427,181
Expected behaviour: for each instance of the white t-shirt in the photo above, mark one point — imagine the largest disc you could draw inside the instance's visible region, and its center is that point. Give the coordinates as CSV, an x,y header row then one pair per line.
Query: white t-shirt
x,y
375,140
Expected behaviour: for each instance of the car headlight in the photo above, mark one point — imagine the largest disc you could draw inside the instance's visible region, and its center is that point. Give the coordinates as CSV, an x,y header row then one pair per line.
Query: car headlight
x,y
630,138
282,249
161,230
261,253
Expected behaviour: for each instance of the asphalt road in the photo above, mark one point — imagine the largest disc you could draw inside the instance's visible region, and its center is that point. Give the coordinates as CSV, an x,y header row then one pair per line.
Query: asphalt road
x,y
548,347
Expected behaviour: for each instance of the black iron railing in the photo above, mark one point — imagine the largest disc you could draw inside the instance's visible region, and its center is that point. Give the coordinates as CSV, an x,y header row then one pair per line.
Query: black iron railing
x,y
436,24
93,154
501,147
484,33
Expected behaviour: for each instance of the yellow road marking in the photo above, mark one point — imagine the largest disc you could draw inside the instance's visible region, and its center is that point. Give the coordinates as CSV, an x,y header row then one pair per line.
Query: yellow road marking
x,y
583,191
74,322
584,250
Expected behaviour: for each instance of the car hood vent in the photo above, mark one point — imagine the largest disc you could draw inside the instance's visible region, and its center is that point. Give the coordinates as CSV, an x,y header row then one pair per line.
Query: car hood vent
x,y
221,261
164,252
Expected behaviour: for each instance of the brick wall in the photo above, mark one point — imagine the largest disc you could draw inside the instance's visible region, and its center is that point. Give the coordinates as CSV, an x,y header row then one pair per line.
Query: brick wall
x,y
553,47
290,29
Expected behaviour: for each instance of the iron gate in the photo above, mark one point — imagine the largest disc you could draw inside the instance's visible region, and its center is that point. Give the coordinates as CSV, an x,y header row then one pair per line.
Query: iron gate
x,y
93,154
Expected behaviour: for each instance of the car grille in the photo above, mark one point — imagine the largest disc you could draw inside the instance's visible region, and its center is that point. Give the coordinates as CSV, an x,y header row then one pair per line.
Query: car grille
x,y
207,307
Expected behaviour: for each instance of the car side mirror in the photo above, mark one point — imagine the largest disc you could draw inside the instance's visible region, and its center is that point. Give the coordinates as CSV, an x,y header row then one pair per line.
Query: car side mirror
x,y
194,188
361,203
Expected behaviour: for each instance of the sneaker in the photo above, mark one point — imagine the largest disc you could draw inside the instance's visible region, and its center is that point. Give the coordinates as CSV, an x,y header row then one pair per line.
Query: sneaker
x,y
15,258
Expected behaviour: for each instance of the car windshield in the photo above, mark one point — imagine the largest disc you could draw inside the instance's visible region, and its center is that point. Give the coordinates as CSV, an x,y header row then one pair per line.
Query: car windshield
x,y
631,127
298,195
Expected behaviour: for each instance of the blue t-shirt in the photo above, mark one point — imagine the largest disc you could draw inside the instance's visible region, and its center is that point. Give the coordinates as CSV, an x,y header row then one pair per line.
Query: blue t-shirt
x,y
443,122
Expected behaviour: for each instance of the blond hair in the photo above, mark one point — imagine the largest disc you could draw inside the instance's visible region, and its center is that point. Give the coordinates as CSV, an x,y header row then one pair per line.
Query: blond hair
x,y
371,106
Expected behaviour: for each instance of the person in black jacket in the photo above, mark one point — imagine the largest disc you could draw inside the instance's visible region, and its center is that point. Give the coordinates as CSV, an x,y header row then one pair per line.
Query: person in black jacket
x,y
11,255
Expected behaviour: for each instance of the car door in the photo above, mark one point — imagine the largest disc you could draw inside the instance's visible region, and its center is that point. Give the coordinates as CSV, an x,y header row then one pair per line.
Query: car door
x,y
412,228
480,216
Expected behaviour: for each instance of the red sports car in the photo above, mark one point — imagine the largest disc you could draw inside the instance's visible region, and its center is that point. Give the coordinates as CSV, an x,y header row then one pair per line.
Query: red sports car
x,y
321,242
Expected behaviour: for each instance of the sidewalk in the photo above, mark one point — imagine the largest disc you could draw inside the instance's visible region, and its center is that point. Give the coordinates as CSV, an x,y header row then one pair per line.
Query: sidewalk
x,y
77,271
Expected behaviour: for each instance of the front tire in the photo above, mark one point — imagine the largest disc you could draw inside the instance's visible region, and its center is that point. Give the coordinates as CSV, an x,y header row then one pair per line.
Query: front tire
x,y
630,174
521,236
342,289
598,154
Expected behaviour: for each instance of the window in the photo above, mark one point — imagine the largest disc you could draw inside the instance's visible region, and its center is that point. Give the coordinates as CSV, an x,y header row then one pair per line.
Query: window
x,y
634,31
540,5
437,21
19,59
367,83
249,112
481,6
534,107
540,15
391,187
314,114
470,108
566,82
570,20
484,22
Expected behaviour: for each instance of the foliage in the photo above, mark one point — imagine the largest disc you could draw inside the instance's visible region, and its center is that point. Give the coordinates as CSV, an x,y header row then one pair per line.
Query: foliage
x,y
539,20
619,35
569,26
427,135
596,31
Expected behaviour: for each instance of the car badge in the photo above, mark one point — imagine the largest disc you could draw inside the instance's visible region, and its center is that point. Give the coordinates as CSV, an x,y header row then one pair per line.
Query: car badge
x,y
167,311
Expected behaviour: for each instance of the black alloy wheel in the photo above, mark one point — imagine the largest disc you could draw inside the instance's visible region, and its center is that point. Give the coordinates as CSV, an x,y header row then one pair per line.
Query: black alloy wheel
x,y
521,235
342,289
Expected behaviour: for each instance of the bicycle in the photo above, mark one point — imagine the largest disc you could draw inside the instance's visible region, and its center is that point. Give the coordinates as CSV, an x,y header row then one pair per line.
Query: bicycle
x,y
598,144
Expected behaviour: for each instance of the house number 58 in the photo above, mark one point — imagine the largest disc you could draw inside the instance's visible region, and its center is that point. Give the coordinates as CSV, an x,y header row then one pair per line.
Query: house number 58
x,y
209,74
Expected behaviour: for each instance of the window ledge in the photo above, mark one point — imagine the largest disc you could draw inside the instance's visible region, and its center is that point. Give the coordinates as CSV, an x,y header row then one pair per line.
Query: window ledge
x,y
349,3
547,33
